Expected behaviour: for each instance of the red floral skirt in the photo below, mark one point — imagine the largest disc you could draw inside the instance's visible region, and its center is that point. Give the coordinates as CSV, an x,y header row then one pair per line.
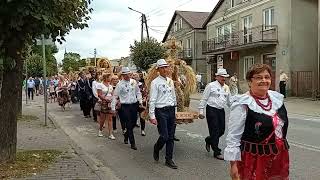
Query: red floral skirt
x,y
264,167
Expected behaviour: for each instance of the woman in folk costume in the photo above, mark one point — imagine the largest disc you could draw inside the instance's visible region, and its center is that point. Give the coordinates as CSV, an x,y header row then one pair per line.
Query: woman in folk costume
x,y
257,147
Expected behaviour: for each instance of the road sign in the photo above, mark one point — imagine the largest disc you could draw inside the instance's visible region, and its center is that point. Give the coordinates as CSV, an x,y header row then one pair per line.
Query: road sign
x,y
46,42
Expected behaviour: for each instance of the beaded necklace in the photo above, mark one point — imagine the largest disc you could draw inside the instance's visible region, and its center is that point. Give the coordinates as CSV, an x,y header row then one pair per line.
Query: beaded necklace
x,y
266,107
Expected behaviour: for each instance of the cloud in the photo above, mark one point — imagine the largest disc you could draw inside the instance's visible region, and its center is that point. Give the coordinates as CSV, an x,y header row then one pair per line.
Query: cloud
x,y
113,27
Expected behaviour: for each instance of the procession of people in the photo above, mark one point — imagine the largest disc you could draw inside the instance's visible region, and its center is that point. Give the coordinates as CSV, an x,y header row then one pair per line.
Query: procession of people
x,y
257,125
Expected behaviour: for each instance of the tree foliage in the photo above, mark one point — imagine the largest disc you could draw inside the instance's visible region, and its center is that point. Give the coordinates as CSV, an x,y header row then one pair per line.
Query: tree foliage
x,y
21,21
72,62
145,53
35,64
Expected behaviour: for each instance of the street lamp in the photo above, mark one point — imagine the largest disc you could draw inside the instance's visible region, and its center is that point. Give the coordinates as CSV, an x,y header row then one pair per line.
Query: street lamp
x,y
143,21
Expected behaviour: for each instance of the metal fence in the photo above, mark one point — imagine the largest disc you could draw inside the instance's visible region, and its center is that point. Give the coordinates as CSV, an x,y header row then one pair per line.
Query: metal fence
x,y
239,38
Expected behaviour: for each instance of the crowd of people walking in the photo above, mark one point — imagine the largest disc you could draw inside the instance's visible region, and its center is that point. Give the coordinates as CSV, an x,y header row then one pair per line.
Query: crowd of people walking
x,y
257,126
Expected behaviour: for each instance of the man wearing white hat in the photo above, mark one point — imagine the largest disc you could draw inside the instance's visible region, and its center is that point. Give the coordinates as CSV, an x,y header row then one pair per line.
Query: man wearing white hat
x,y
129,95
162,105
214,100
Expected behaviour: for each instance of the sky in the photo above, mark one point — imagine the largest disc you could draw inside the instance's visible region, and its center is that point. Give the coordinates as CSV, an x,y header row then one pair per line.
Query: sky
x,y
113,27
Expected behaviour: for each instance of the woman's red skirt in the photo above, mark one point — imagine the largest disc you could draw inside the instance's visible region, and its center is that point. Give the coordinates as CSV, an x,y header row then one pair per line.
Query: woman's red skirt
x,y
264,167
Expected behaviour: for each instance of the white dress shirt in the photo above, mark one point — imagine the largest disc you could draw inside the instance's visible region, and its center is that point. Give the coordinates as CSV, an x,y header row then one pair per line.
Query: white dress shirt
x,y
31,84
237,120
214,95
95,84
128,93
162,94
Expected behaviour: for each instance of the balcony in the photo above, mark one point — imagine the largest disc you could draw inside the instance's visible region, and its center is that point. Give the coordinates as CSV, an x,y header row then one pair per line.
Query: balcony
x,y
248,38
185,54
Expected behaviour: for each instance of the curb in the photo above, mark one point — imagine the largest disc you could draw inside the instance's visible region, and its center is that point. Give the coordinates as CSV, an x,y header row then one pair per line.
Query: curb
x,y
292,114
103,172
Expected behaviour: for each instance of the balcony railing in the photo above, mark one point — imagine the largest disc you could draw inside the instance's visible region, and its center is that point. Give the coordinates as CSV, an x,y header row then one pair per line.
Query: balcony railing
x,y
253,35
185,54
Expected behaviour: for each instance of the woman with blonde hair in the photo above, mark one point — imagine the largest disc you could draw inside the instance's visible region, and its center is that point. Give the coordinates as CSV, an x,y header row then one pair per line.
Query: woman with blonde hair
x,y
105,93
257,147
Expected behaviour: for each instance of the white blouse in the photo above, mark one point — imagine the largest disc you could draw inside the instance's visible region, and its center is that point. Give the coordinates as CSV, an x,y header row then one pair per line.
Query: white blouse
x,y
237,119
106,90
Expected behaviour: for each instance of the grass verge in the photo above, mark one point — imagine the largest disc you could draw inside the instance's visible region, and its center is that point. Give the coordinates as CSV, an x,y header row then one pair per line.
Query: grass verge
x,y
27,118
28,163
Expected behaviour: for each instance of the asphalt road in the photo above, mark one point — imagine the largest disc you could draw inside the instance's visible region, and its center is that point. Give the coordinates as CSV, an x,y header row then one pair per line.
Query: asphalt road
x,y
190,155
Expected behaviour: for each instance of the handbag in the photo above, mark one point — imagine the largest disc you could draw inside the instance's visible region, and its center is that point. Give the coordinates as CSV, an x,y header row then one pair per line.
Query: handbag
x,y
105,106
97,107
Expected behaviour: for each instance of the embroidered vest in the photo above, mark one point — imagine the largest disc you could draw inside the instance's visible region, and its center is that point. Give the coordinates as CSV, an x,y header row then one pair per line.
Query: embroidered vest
x,y
258,128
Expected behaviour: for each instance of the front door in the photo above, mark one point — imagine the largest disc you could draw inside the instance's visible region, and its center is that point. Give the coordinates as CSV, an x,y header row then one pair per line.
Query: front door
x,y
270,59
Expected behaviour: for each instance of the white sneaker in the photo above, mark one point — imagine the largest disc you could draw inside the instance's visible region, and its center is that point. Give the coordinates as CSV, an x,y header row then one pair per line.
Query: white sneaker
x,y
143,133
112,137
100,134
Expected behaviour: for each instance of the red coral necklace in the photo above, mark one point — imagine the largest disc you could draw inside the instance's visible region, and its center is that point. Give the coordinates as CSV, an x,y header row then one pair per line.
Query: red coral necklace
x,y
266,107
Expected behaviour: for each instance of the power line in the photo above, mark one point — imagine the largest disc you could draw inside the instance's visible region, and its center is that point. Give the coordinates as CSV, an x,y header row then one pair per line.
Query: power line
x,y
157,8
161,11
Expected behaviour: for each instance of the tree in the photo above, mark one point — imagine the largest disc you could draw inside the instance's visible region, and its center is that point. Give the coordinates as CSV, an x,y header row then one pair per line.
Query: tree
x,y
34,61
146,53
22,21
72,61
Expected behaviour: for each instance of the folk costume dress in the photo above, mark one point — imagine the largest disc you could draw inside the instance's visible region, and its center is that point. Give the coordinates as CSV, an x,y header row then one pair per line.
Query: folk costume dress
x,y
257,137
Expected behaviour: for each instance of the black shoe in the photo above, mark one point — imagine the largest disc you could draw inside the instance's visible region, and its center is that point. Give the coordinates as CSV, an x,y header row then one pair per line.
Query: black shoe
x,y
155,154
134,147
176,139
220,157
126,141
171,164
208,147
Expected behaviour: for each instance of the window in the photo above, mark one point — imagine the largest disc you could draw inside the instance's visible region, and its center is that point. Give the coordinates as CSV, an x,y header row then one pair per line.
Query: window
x,y
232,3
268,18
180,23
188,48
175,27
248,62
224,32
247,29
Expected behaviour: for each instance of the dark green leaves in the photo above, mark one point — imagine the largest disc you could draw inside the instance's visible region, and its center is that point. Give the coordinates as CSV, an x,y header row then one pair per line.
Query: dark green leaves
x,y
146,53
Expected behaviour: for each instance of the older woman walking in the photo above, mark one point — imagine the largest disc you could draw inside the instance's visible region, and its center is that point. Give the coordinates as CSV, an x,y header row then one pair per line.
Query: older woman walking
x,y
257,147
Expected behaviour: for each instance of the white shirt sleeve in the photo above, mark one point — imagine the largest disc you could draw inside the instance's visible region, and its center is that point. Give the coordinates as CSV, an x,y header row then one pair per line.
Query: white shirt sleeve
x,y
236,126
138,93
152,100
204,99
114,97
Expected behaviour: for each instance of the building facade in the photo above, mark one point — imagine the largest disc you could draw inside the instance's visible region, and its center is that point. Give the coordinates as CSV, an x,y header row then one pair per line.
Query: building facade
x,y
281,33
187,28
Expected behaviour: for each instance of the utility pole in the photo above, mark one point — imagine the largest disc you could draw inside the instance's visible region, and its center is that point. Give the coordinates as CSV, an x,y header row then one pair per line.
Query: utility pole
x,y
143,23
95,57
26,88
44,80
45,42
147,28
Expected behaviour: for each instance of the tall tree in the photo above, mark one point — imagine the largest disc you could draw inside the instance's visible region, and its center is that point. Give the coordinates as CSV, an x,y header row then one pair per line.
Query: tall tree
x,y
72,61
34,61
145,53
22,21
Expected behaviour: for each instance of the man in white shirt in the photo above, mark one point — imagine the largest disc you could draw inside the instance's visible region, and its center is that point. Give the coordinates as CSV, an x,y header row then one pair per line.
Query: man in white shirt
x,y
214,100
283,82
31,85
129,95
162,112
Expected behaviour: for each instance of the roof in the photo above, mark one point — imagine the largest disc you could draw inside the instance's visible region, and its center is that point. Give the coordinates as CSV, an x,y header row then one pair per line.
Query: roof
x,y
212,13
193,18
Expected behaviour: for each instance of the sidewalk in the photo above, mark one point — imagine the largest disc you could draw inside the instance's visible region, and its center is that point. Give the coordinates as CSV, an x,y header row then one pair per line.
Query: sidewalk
x,y
294,105
33,135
